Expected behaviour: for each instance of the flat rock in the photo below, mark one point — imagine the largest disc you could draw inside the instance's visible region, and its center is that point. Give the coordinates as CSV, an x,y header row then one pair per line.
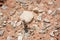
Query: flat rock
x,y
27,16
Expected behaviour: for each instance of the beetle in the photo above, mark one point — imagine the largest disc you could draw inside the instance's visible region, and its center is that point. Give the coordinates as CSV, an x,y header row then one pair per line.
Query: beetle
x,y
26,27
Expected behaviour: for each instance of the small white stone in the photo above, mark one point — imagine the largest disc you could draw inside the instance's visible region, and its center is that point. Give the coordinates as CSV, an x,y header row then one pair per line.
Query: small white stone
x,y
43,26
27,16
35,27
41,4
12,12
49,11
13,24
19,23
4,21
41,10
1,32
55,30
50,3
37,9
46,20
58,8
8,21
51,38
4,7
22,1
4,24
39,17
26,35
20,36
42,31
1,13
54,12
9,38
51,33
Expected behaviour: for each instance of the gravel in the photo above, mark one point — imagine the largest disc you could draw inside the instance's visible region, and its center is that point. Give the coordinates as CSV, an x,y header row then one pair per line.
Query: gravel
x,y
26,35
12,12
35,27
22,1
1,32
49,11
39,17
1,13
51,33
54,13
46,20
13,23
20,36
4,7
18,23
37,10
42,31
9,38
51,38
58,9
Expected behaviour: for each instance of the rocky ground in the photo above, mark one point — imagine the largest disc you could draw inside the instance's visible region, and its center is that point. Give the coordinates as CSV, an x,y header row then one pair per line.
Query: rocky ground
x,y
29,19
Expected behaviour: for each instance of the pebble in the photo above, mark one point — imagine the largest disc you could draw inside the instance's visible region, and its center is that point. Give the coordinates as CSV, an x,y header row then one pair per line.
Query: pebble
x,y
27,16
4,24
12,12
46,20
51,33
19,23
26,35
9,38
37,10
56,32
54,13
42,31
1,13
39,17
51,38
43,25
58,8
41,10
4,7
35,27
1,32
3,18
46,26
13,23
20,36
22,1
49,11
25,6
50,3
